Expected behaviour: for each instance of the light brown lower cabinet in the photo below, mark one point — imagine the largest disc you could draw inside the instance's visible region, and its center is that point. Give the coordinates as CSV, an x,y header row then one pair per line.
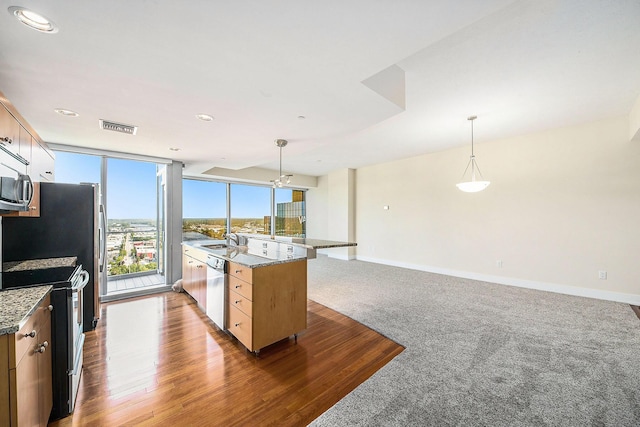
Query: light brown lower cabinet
x,y
26,395
194,275
266,304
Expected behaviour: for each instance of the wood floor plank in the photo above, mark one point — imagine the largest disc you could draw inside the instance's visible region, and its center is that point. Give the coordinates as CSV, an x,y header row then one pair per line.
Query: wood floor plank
x,y
157,360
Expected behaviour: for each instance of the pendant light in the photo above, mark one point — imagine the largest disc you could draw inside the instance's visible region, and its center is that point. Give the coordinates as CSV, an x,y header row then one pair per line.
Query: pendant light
x,y
282,179
473,185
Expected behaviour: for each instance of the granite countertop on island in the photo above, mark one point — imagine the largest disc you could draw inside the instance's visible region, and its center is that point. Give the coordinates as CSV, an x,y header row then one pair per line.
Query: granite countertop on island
x,y
16,305
243,255
301,241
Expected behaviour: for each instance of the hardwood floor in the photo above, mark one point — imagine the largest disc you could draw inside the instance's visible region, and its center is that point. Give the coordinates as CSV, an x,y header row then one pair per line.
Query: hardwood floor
x,y
157,361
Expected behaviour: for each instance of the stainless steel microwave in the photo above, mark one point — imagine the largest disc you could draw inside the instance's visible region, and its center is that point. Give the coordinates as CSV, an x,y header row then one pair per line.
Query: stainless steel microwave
x,y
15,193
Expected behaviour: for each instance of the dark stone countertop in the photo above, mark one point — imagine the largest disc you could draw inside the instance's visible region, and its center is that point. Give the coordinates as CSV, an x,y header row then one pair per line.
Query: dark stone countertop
x,y
38,264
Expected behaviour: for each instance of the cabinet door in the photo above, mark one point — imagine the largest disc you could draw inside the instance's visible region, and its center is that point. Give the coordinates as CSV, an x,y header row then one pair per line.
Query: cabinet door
x,y
24,150
45,375
26,379
5,406
10,141
42,167
187,273
200,282
9,131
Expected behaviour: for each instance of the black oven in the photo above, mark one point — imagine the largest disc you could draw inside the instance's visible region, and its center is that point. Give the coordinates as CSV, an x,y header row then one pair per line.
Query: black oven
x,y
66,328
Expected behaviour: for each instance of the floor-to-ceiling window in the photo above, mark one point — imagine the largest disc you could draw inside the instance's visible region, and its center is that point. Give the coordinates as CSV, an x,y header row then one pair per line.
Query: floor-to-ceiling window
x,y
204,209
132,194
291,213
250,209
211,208
132,235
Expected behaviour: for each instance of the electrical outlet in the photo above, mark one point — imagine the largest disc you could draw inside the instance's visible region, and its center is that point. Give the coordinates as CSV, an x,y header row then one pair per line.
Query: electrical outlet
x,y
602,274
499,263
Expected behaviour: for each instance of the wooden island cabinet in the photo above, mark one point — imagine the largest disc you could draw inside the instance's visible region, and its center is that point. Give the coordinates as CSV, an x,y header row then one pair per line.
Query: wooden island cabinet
x,y
266,304
266,295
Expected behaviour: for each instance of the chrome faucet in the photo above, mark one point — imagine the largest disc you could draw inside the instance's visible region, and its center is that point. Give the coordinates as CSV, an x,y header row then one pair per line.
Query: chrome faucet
x,y
233,237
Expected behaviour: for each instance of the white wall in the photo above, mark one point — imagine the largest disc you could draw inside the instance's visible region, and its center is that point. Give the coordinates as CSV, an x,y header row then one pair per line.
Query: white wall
x,y
317,201
333,202
562,205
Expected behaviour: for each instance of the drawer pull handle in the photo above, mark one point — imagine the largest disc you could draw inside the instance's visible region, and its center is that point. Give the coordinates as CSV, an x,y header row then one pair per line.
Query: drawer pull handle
x,y
45,344
40,349
238,302
238,271
237,286
237,324
31,334
50,308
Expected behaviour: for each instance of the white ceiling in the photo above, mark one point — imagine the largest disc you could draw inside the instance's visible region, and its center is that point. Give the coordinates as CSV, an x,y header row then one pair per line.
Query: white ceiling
x,y
520,66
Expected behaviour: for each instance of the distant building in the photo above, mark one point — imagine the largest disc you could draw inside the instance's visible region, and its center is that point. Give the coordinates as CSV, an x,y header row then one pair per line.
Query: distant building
x,y
290,217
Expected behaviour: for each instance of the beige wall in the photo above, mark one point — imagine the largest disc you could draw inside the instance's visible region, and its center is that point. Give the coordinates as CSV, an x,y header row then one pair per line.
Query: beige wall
x,y
333,202
317,201
562,205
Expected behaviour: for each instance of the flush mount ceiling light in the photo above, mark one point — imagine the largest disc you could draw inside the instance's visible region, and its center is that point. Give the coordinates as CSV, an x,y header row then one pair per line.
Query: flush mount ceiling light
x,y
204,117
282,179
33,20
65,112
473,185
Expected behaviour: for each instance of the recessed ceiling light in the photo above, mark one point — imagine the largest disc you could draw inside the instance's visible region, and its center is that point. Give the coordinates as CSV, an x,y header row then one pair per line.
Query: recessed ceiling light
x,y
174,149
33,20
204,117
67,113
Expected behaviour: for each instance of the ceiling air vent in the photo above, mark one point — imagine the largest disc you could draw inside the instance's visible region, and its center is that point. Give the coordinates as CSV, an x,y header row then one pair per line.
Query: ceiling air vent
x,y
118,127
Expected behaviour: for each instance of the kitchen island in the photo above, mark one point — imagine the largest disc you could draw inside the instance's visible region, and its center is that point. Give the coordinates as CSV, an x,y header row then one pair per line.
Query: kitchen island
x,y
265,285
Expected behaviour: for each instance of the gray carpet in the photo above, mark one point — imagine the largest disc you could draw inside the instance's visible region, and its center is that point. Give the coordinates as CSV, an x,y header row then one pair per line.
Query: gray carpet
x,y
481,354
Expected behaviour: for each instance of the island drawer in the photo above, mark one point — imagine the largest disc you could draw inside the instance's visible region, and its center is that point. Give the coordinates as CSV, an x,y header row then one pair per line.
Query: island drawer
x,y
240,286
240,326
236,300
241,272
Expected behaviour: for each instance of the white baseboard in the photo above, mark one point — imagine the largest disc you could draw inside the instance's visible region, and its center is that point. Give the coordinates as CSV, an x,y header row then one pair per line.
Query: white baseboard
x,y
511,281
342,256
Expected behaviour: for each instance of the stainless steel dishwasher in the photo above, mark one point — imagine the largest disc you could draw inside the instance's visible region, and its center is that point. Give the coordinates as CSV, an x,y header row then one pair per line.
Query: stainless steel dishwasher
x,y
216,290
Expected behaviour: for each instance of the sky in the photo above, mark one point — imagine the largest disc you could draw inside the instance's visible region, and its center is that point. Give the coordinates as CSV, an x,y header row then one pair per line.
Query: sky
x,y
132,190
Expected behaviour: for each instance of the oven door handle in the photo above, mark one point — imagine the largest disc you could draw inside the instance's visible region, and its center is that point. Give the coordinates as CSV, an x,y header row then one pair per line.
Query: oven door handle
x,y
85,279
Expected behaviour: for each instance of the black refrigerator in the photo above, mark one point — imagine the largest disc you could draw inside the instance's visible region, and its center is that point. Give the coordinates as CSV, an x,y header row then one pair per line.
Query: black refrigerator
x,y
71,223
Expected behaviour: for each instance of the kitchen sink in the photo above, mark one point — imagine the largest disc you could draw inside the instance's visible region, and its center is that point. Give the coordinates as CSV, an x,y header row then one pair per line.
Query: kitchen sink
x,y
216,246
